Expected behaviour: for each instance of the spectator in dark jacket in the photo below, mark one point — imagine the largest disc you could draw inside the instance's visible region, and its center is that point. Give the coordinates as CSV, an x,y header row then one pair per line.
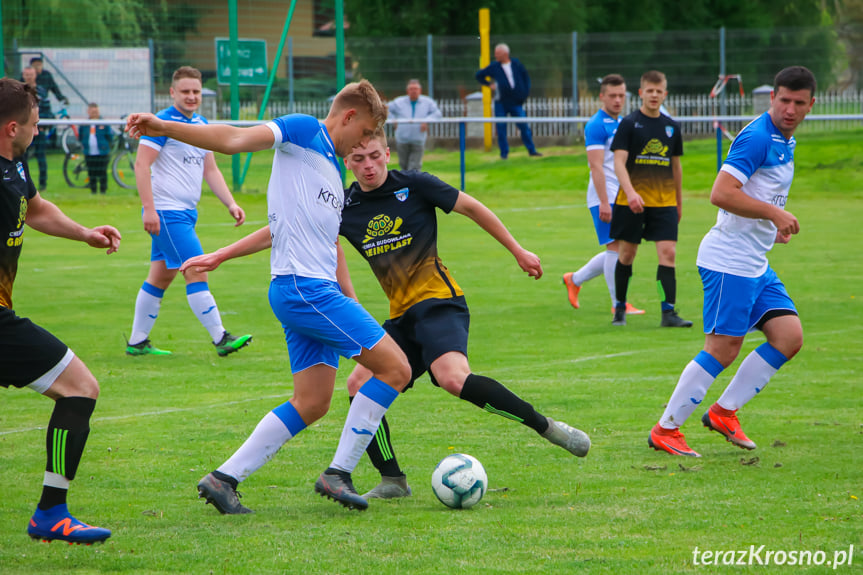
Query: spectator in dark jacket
x,y
37,147
47,85
96,141
511,82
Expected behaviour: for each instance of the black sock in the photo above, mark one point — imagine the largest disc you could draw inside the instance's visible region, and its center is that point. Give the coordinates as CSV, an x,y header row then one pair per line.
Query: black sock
x,y
226,478
67,435
622,273
667,285
492,396
381,453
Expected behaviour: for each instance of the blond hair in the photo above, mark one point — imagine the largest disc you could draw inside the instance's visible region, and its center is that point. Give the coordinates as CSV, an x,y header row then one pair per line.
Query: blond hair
x,y
361,96
186,72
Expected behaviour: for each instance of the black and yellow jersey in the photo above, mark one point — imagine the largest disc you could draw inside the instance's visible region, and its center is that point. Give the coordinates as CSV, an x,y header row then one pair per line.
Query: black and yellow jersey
x,y
651,143
394,227
15,191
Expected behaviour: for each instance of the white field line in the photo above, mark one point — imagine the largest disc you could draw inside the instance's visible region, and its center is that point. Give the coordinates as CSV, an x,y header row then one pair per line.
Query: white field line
x,y
749,340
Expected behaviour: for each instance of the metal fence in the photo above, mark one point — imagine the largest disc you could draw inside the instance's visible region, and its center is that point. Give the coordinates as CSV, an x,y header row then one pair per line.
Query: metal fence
x,y
678,105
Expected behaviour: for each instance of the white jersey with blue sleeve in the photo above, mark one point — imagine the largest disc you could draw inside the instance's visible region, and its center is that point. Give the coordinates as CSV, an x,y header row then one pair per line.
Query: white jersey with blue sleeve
x,y
178,172
598,134
763,161
305,198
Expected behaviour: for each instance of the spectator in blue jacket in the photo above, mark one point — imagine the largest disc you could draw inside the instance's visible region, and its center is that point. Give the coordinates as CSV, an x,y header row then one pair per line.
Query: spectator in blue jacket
x,y
509,79
96,141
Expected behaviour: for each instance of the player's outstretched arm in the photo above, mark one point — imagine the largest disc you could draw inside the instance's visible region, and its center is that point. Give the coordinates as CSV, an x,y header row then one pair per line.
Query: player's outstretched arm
x,y
486,219
47,218
216,137
727,193
253,243
217,183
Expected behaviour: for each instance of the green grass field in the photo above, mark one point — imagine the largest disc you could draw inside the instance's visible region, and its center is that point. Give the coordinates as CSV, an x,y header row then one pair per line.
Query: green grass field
x,y
162,423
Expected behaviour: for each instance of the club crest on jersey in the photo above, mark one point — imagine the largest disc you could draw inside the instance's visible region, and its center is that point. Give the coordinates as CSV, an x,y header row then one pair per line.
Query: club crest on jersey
x,y
402,194
21,173
382,225
669,131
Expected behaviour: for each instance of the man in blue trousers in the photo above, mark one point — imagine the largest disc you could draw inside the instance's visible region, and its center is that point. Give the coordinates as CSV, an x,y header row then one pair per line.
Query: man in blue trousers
x,y
511,82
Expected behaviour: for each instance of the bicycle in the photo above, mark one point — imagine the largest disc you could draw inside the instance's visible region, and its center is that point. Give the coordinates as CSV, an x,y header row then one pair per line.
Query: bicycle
x,y
67,135
122,162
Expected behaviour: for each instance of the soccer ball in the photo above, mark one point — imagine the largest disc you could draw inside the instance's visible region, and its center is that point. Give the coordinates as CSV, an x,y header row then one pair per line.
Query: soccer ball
x,y
459,481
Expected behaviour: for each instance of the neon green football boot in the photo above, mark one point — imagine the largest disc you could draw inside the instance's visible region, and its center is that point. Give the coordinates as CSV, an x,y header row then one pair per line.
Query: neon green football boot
x,y
229,343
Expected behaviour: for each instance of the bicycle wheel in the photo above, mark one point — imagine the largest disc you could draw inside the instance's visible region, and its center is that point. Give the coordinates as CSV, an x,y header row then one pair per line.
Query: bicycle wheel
x,y
123,170
75,171
69,141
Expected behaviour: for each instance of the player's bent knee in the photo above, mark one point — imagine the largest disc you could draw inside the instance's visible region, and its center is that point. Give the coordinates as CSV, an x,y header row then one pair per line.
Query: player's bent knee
x,y
75,381
311,411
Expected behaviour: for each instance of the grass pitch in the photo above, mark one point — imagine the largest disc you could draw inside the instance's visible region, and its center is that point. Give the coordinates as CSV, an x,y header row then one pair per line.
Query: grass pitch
x,y
162,423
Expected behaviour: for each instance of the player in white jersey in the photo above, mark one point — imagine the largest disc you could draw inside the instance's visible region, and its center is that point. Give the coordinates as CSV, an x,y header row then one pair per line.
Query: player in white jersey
x,y
741,290
598,134
305,199
169,174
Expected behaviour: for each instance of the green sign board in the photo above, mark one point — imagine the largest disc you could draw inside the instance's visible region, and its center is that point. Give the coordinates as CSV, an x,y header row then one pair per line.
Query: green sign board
x,y
251,60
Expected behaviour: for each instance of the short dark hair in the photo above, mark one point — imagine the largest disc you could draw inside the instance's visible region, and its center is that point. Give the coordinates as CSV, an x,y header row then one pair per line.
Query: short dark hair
x,y
795,78
17,99
611,80
653,77
35,59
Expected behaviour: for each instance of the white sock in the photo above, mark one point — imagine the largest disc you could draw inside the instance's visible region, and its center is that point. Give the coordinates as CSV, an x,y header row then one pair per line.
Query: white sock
x,y
273,431
608,265
752,376
367,409
589,270
690,390
204,306
147,306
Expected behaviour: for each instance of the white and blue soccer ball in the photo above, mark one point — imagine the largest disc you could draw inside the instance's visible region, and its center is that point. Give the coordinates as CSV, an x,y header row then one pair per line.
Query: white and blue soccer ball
x,y
459,481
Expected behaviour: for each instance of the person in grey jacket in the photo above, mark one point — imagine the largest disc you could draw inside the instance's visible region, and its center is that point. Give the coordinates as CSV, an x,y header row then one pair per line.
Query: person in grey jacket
x,y
411,137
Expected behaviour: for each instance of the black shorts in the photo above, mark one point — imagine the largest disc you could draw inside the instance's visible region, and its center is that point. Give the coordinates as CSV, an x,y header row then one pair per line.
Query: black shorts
x,y
27,351
653,224
429,329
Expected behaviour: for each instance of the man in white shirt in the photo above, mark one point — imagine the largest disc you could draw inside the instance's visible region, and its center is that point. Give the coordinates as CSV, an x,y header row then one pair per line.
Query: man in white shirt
x,y
411,137
305,198
741,290
168,174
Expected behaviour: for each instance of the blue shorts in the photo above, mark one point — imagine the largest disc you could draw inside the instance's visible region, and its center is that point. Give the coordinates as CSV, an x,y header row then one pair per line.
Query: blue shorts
x,y
734,305
602,228
320,322
177,240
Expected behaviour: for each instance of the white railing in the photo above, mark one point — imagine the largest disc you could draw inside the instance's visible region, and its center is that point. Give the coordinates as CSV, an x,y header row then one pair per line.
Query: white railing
x,y
679,105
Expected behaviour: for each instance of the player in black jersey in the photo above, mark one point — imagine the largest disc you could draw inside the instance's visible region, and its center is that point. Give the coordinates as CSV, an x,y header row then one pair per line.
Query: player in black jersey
x,y
647,148
390,218
29,355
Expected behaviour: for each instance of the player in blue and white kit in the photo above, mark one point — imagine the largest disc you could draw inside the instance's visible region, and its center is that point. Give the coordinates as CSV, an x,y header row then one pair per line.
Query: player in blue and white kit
x,y
741,290
305,200
169,175
598,134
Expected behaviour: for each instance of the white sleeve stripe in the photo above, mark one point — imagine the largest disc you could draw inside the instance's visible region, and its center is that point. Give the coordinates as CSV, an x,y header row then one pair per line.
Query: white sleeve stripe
x,y
734,172
150,144
277,134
